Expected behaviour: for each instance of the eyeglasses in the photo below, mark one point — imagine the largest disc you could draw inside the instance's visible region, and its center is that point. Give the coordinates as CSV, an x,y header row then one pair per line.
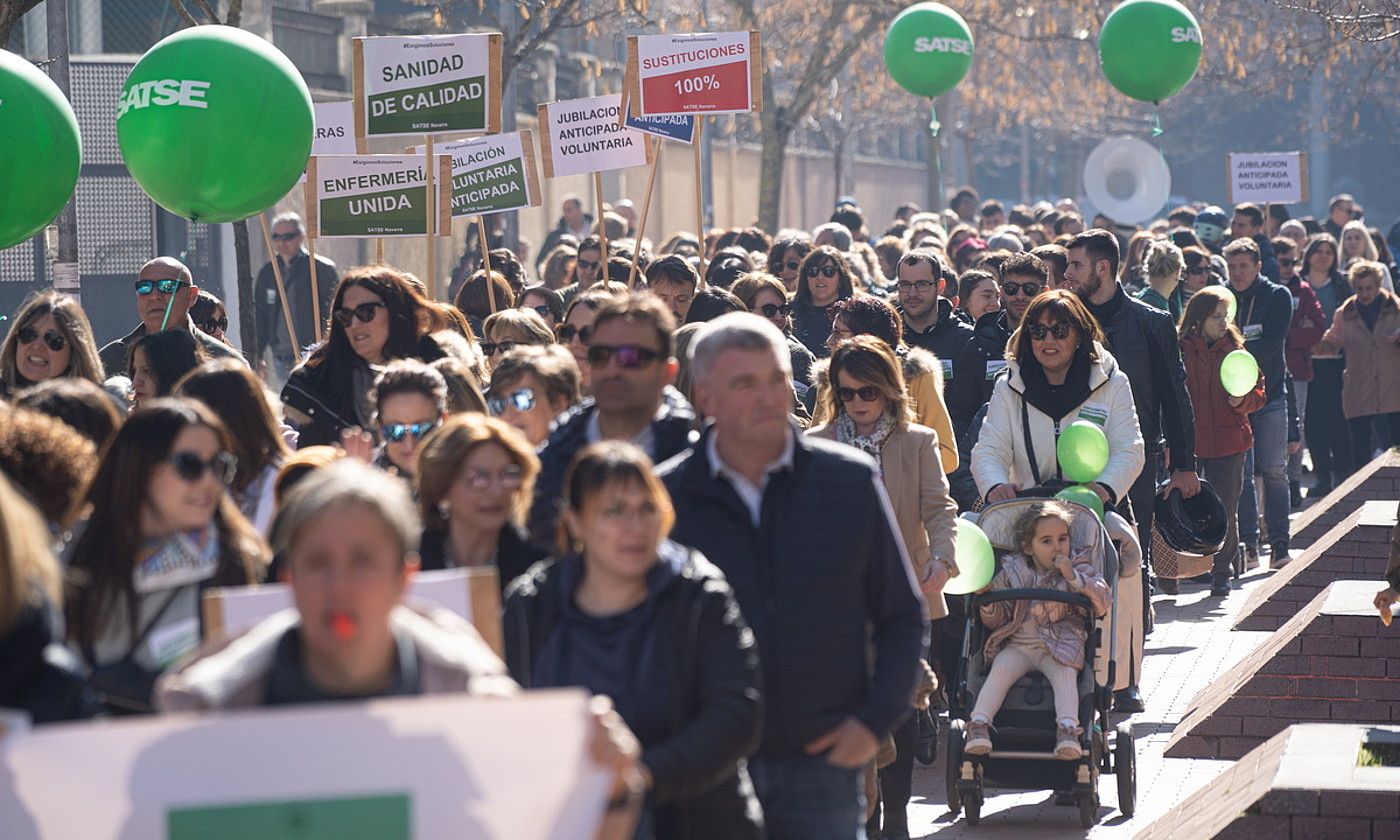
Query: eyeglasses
x,y
491,348
567,333
214,325
1012,289
521,400
1039,331
827,270
869,393
629,356
191,467
396,432
923,287
773,310
364,313
54,340
285,237
165,287
509,478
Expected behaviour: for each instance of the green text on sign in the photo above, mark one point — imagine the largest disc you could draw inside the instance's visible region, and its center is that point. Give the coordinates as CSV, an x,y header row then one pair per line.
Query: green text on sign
x,y
490,189
351,818
450,106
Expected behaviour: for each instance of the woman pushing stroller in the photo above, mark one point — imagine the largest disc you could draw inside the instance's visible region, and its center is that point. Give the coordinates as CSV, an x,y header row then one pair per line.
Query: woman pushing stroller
x,y
1042,635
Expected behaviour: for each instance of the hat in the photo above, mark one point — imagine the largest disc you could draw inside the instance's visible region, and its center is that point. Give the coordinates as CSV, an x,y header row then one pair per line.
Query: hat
x,y
975,243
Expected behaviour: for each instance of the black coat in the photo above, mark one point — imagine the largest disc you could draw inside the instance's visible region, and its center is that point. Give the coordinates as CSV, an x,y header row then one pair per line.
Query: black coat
x,y
296,278
37,674
823,582
975,369
672,434
946,338
701,790
514,554
115,354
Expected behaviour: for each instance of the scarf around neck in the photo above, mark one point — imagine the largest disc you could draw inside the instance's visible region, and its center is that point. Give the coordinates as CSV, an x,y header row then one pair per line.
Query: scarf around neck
x,y
179,560
870,444
1055,401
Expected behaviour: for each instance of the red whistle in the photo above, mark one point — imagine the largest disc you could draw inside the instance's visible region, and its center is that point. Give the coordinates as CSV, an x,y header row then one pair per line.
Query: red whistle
x,y
343,626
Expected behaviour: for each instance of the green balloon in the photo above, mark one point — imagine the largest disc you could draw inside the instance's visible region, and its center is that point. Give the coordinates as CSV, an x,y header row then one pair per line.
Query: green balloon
x,y
1149,49
928,49
40,153
1082,450
972,551
215,124
1085,496
1239,373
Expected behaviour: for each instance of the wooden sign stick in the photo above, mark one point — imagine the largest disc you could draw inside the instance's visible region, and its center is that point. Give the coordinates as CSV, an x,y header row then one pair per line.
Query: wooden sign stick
x,y
642,222
379,250
486,260
281,289
315,289
602,275
432,278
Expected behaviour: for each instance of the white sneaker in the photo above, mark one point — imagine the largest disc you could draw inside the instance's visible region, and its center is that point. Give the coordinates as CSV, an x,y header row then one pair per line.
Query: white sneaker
x,y
1067,743
979,738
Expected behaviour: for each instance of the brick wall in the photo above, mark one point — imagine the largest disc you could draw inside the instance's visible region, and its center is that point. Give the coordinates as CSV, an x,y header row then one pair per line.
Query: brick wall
x,y
1379,479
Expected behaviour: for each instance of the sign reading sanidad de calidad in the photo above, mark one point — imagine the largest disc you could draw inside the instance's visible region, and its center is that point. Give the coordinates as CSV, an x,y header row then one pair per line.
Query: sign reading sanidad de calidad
x,y
427,84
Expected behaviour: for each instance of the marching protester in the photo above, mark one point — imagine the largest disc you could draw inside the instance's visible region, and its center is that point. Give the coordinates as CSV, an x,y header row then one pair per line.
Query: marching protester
x,y
786,256
410,401
211,316
824,278
50,337
577,330
1367,331
930,319
765,295
978,293
1304,332
543,301
530,386
294,263
165,291
1324,423
158,360
508,329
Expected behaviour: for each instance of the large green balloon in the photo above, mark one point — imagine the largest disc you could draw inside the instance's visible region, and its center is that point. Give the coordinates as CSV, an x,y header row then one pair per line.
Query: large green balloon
x,y
1239,373
1085,496
39,150
1149,49
976,561
215,123
928,49
1082,450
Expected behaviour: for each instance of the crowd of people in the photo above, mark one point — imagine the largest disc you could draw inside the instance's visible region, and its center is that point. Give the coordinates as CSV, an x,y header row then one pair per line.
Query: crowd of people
x,y
719,492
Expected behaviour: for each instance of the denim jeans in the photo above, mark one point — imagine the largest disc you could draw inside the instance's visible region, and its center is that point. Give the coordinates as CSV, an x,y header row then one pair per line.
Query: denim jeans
x,y
805,798
1270,462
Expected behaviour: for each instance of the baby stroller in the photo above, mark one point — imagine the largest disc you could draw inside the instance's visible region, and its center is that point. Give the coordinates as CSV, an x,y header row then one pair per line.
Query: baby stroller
x,y
1023,736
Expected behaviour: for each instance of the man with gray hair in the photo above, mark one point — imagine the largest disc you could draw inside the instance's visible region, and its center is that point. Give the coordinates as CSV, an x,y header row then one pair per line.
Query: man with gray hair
x,y
804,533
294,261
165,291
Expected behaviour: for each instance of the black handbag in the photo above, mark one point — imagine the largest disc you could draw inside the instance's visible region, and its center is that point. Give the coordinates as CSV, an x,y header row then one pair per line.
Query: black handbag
x,y
125,687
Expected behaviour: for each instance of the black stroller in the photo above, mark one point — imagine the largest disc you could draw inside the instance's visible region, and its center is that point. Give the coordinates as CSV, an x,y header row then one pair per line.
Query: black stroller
x,y
1023,739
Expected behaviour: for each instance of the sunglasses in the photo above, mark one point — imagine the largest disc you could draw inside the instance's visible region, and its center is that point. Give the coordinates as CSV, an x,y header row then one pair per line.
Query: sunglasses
x,y
213,325
773,310
586,266
869,393
567,333
1012,289
522,400
793,266
1290,262
509,478
543,311
285,237
396,432
923,287
1200,269
824,270
1039,331
191,467
364,313
55,341
165,287
490,348
629,356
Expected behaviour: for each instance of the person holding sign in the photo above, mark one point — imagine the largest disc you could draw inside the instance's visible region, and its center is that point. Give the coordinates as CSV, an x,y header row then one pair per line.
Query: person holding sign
x,y
288,241
162,529
626,613
1223,433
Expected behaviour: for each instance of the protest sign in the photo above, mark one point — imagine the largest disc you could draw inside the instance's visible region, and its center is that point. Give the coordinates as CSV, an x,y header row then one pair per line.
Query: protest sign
x,y
579,136
703,73
335,129
1267,177
668,127
367,196
411,767
490,174
473,594
426,84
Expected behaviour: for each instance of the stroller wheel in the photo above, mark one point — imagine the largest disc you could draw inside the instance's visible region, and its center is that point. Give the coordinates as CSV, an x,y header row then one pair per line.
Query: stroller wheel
x,y
1125,769
957,732
1088,810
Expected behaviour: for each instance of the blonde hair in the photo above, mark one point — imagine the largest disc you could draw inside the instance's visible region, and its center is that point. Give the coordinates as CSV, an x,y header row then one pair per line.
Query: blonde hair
x,y
1367,253
1366,268
28,569
1163,259
443,451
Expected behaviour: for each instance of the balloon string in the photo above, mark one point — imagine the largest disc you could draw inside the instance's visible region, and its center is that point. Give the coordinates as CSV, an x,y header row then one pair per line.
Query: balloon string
x,y
1157,132
933,128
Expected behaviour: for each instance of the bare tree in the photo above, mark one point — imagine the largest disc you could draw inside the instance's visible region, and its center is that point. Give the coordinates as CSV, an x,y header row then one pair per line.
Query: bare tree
x,y
10,13
1360,20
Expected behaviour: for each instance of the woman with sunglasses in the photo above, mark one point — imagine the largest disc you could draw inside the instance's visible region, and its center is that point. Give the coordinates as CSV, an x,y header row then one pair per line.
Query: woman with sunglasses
x,y
233,393
1197,272
512,328
870,410
50,337
577,330
825,278
410,400
530,387
766,295
1058,372
378,315
546,302
159,360
476,477
1324,424
626,613
209,314
162,529
558,267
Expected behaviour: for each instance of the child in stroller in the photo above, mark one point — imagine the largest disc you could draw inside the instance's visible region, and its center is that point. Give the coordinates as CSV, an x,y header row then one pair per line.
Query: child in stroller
x,y
1041,635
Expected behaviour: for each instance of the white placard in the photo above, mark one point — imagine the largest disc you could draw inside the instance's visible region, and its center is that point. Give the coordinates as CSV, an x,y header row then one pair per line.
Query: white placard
x,y
579,136
1268,177
426,84
366,196
471,768
335,129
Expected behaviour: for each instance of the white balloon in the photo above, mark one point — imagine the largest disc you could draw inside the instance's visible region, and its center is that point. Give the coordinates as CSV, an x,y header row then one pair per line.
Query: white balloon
x,y
1127,179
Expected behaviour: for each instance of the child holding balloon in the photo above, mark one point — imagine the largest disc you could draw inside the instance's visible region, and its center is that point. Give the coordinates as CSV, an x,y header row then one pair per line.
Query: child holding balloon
x,y
1047,636
1225,386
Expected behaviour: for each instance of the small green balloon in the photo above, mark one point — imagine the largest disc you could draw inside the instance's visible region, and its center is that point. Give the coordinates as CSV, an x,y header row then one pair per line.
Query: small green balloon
x,y
1239,373
1150,49
928,49
40,153
215,123
1082,450
1085,496
972,551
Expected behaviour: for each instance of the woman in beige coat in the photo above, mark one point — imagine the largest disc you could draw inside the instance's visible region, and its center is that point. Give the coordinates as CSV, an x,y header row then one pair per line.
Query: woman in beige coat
x,y
1367,329
870,407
